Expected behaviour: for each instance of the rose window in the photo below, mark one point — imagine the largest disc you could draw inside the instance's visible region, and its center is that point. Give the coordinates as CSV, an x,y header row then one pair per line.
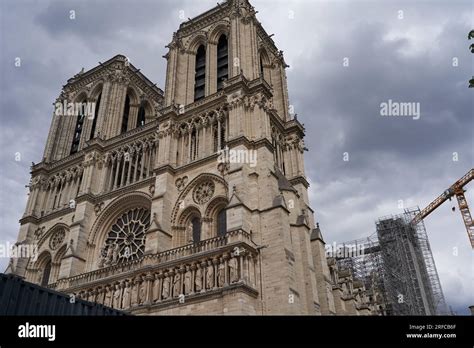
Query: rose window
x,y
126,239
56,239
203,192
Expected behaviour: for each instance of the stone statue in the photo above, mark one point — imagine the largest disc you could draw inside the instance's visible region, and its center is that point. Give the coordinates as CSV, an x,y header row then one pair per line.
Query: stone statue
x,y
126,297
187,282
100,296
166,288
142,292
156,288
11,266
233,270
108,256
210,276
189,233
176,285
70,247
198,280
270,104
108,297
102,255
221,274
134,294
115,254
117,297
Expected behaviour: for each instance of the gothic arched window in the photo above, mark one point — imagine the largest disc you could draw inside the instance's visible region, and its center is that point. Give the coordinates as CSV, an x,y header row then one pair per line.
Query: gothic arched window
x,y
141,115
126,112
46,273
222,142
126,238
200,74
215,137
194,145
78,129
221,222
222,61
196,224
261,67
96,115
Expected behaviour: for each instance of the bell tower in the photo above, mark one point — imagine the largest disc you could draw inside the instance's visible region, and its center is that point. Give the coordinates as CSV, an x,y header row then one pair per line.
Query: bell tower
x,y
222,43
224,56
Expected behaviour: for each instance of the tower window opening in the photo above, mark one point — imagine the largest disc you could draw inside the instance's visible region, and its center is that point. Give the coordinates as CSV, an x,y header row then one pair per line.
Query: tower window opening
x,y
141,116
222,61
96,115
78,129
126,112
200,74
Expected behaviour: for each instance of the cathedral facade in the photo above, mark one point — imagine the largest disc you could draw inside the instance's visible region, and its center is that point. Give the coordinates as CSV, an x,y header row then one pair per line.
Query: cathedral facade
x,y
189,201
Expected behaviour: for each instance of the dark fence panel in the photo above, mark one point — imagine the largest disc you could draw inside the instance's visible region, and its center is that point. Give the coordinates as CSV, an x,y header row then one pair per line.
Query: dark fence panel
x,y
18,297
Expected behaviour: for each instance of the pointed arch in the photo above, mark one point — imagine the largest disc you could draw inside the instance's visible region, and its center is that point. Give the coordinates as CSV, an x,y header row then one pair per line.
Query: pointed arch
x,y
190,221
43,265
216,214
197,40
60,253
56,262
51,231
100,229
190,186
219,28
80,96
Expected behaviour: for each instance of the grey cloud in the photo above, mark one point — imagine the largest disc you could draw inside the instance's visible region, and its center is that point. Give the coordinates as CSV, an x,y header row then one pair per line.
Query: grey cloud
x,y
390,158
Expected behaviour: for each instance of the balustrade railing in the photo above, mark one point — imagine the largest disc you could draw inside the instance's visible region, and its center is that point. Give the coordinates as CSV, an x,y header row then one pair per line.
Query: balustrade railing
x,y
187,251
130,163
172,275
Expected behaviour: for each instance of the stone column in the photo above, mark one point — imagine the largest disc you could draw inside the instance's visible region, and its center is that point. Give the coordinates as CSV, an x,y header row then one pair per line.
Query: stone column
x,y
226,258
211,67
117,168
181,271
129,162
110,182
215,262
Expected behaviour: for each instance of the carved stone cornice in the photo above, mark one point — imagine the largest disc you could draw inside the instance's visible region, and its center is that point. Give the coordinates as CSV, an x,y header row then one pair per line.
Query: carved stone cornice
x,y
204,20
115,69
299,180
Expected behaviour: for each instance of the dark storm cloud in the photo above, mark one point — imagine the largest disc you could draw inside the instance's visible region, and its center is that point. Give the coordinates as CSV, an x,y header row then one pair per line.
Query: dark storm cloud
x,y
405,59
107,19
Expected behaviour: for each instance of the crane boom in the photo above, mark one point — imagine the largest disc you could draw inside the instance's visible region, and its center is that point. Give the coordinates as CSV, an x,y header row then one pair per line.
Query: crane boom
x,y
454,190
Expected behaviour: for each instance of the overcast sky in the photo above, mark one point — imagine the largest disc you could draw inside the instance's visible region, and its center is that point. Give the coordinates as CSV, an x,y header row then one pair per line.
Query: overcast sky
x,y
404,51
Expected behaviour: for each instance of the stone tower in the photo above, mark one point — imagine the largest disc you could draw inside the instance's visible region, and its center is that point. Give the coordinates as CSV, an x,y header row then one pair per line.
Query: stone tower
x,y
191,201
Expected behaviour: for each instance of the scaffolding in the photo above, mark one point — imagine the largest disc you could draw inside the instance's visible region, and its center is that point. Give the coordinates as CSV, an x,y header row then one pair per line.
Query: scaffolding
x,y
364,260
397,261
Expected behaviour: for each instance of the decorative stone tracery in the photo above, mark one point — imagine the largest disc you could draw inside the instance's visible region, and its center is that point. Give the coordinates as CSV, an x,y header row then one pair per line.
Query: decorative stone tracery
x,y
126,238
57,239
204,192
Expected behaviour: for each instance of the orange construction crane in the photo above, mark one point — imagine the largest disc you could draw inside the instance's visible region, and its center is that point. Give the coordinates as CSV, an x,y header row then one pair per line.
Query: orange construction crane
x,y
455,190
